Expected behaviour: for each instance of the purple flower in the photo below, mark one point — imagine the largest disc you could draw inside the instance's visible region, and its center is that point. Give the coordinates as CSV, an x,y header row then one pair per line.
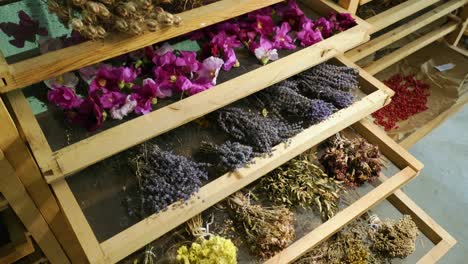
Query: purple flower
x,y
87,114
264,25
230,28
110,99
291,13
282,40
121,112
64,97
324,26
68,79
89,72
188,61
221,42
199,87
265,51
210,70
345,21
112,78
146,95
307,35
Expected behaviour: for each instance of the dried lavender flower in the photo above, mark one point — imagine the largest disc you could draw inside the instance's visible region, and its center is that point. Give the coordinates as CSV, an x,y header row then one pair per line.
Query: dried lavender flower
x,y
301,183
262,133
340,99
166,178
336,77
267,230
283,98
229,155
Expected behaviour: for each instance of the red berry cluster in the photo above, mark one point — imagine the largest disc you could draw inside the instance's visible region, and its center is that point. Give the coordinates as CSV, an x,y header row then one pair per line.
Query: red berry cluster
x,y
410,98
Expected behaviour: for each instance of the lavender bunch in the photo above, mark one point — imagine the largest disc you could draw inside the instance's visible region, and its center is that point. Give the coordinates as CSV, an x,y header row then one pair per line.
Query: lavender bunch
x,y
166,178
262,133
337,77
340,99
229,155
284,98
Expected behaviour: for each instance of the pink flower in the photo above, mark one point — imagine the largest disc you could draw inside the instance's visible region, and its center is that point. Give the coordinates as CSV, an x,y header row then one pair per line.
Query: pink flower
x,y
188,61
68,79
210,70
307,35
198,88
112,78
221,42
282,40
110,99
146,95
64,97
291,13
125,109
324,26
265,51
264,25
87,114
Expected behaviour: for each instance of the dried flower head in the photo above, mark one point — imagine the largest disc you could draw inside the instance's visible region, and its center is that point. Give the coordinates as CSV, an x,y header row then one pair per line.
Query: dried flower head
x,y
267,230
228,156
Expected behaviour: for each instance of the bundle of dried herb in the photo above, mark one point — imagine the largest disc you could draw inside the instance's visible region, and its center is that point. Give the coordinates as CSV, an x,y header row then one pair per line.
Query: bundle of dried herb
x,y
301,183
93,19
396,239
352,161
253,129
213,250
229,155
267,230
165,178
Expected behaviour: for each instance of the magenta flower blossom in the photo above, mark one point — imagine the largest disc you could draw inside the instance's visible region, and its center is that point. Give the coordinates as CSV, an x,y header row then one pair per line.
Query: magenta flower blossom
x,y
264,25
222,43
324,26
291,13
68,79
120,112
265,52
112,78
282,40
87,114
188,61
343,22
209,71
64,97
89,72
109,99
307,35
199,87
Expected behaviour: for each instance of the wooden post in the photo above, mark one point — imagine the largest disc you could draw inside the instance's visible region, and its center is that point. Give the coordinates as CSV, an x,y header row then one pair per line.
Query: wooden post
x,y
350,5
15,193
17,154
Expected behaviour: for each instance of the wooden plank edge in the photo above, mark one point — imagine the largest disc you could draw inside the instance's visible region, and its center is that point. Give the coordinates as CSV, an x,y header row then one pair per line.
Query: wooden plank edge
x,y
31,129
78,222
5,73
337,8
54,63
149,229
396,34
408,49
333,225
350,5
24,207
87,152
427,128
398,13
363,2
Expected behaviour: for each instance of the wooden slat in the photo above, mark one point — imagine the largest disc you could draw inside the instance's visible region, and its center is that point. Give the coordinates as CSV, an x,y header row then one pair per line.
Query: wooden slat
x,y
390,37
423,131
54,63
109,142
5,74
14,253
327,229
14,191
363,2
410,48
456,36
78,222
350,5
397,13
155,226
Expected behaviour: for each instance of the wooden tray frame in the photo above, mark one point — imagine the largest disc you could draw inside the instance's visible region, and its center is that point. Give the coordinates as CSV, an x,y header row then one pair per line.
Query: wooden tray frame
x,y
442,240
54,63
140,234
390,16
151,228
58,164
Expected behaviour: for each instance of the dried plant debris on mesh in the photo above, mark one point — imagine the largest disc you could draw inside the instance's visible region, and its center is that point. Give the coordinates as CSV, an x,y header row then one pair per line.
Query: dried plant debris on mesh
x,y
301,183
165,178
353,161
267,230
367,241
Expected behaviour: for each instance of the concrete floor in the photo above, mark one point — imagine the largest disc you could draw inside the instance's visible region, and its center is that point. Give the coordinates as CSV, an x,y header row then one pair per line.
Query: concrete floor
x,y
442,187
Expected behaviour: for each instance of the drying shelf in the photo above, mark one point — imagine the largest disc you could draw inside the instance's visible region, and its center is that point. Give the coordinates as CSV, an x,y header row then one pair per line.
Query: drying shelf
x,y
113,247
402,168
441,241
56,164
52,64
